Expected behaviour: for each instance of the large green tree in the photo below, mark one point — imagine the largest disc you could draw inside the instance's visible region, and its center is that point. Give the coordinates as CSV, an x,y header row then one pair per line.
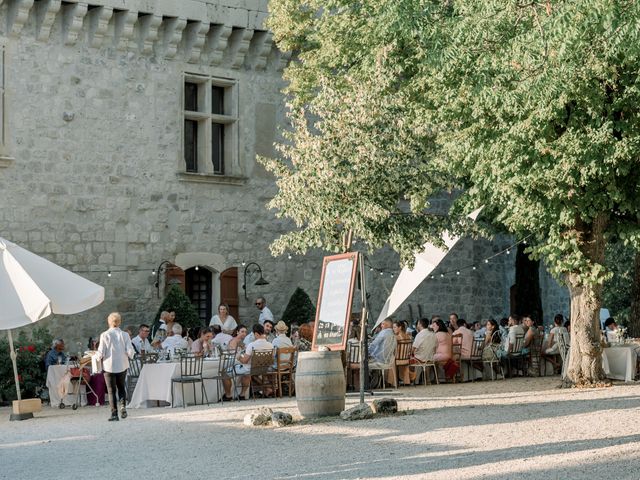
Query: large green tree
x,y
529,108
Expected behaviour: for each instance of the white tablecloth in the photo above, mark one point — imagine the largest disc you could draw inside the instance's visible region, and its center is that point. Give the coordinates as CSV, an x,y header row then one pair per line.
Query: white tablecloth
x,y
620,362
154,385
55,378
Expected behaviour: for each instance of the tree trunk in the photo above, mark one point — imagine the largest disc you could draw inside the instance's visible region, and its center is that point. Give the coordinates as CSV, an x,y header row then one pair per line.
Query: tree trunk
x,y
634,314
585,361
527,294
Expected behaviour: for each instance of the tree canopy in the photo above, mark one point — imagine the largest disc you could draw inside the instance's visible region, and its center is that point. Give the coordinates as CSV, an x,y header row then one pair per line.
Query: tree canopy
x,y
528,108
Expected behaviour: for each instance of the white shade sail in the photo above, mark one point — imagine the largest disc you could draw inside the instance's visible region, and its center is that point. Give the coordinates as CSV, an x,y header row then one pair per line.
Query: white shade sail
x,y
425,262
32,288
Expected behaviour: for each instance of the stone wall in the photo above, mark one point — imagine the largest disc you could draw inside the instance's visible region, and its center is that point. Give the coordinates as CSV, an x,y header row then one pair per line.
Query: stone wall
x,y
94,174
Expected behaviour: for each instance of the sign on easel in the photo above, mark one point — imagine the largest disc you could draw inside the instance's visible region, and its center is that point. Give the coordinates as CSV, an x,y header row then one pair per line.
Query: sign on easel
x,y
334,301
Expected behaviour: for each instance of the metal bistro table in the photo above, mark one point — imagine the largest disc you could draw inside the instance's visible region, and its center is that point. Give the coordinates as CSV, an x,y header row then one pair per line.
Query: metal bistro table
x,y
154,385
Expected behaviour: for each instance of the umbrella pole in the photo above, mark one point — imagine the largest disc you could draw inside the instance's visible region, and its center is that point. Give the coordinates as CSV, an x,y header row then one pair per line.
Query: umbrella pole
x,y
15,366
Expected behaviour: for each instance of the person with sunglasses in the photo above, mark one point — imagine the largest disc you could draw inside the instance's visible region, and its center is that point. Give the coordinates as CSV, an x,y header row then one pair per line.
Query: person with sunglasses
x,y
265,313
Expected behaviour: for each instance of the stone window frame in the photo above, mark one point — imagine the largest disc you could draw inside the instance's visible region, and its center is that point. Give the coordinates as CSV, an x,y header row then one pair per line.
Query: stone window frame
x,y
5,158
233,171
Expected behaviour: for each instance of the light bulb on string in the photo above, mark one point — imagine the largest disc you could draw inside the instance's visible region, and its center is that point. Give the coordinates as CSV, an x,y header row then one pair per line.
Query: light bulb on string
x,y
197,268
475,268
244,263
289,256
109,273
432,277
153,272
392,275
508,251
458,272
371,269
441,275
381,273
486,260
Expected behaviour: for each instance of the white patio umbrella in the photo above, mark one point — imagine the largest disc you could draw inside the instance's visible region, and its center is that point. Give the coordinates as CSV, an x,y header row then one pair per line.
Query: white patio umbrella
x,y
425,263
32,288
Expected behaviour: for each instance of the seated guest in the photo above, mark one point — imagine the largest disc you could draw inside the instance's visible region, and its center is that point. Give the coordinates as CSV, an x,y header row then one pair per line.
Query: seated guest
x,y
237,343
56,355
383,347
611,330
467,339
305,333
175,341
425,343
224,320
401,334
202,345
400,330
164,329
220,337
443,339
531,334
515,331
479,329
453,322
492,341
492,350
141,341
244,367
281,339
268,330
553,348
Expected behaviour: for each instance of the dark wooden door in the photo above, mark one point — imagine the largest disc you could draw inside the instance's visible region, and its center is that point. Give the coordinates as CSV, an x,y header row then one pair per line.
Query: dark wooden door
x,y
198,289
229,291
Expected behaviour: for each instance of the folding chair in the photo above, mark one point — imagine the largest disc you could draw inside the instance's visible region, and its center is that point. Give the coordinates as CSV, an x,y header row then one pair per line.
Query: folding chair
x,y
190,373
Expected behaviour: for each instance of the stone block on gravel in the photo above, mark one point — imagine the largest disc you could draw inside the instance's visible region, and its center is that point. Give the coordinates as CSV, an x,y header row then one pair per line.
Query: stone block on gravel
x,y
262,416
384,405
281,419
359,412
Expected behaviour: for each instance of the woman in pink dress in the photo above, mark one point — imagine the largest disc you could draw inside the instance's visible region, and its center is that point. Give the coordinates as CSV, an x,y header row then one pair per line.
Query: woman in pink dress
x,y
443,337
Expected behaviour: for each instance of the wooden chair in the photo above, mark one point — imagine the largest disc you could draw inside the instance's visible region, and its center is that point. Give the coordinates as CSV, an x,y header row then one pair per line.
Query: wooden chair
x,y
476,356
353,362
262,374
190,373
456,355
285,368
536,360
515,354
403,356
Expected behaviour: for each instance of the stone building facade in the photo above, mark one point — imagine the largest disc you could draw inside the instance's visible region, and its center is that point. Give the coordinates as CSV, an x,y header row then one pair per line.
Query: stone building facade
x,y
130,130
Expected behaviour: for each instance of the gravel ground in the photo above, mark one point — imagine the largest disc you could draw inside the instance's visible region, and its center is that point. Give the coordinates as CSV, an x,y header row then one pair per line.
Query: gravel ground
x,y
520,428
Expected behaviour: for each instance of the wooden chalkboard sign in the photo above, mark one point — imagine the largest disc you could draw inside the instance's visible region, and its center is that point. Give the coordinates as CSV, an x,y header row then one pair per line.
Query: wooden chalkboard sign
x,y
334,301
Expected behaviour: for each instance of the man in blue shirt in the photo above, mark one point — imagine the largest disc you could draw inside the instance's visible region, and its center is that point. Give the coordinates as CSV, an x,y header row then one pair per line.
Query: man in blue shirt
x,y
56,355
383,347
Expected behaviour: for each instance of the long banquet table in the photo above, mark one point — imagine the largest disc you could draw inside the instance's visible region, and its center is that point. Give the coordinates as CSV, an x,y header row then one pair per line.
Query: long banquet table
x,y
154,385
619,362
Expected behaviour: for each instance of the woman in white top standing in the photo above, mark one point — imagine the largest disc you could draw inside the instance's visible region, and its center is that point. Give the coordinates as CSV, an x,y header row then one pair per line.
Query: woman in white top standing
x,y
115,350
227,322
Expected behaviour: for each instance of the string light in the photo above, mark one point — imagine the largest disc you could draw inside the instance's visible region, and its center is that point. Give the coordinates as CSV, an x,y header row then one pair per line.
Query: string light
x,y
153,272
474,266
109,273
197,268
289,256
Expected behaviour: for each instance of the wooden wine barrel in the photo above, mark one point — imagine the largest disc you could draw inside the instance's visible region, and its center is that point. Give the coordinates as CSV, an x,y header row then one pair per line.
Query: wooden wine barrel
x,y
320,384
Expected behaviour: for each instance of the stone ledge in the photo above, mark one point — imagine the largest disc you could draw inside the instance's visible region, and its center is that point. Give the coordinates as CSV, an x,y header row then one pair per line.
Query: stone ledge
x,y
211,178
5,161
